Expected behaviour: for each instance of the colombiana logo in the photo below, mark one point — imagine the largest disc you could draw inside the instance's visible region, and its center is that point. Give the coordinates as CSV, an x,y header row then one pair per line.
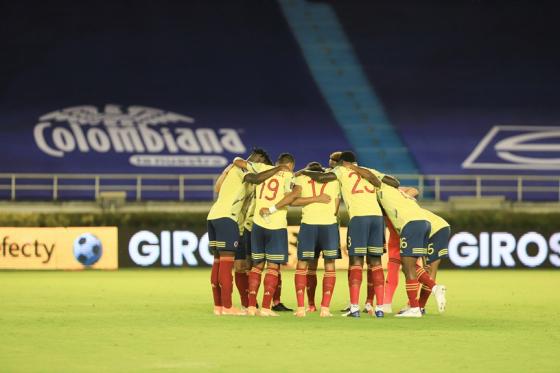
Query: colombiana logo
x,y
153,137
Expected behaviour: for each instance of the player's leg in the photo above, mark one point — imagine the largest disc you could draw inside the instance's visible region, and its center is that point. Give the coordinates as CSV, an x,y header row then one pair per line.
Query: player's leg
x,y
375,248
305,253
306,244
214,279
437,250
426,289
258,260
311,284
278,293
370,292
227,243
312,268
413,245
357,249
329,281
329,239
270,283
241,266
276,253
300,282
277,304
393,268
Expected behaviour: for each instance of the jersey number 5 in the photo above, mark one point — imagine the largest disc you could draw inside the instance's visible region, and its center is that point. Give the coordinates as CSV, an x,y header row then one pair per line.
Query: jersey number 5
x,y
355,189
272,185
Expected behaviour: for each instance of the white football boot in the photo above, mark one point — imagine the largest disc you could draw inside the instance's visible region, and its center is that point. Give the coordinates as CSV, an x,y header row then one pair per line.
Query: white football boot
x,y
439,294
411,312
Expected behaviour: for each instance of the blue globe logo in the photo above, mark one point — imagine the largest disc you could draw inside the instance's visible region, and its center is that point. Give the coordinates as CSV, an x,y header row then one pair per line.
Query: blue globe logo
x,y
87,249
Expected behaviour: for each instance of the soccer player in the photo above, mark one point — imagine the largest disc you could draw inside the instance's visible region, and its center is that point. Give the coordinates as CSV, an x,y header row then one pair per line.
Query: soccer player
x,y
312,264
223,232
242,262
365,228
269,237
394,261
242,274
409,220
318,233
437,250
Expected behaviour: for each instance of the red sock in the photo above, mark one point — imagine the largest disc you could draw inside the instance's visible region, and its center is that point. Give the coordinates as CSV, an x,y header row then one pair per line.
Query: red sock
x,y
394,264
370,291
278,292
329,279
412,292
242,283
393,268
216,283
226,280
300,281
355,284
424,295
311,286
424,278
378,280
254,284
270,284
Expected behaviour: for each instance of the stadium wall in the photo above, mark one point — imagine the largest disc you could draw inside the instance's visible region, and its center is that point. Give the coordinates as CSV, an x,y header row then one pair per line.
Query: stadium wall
x,y
483,239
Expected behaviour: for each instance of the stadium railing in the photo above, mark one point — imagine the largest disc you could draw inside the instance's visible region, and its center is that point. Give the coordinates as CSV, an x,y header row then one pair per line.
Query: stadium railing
x,y
144,187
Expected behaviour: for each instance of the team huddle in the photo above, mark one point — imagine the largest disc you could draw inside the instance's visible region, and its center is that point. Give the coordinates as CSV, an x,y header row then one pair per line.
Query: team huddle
x,y
247,228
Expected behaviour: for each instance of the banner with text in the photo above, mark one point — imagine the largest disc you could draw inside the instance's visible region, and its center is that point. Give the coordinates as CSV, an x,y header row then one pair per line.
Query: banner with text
x,y
189,247
71,248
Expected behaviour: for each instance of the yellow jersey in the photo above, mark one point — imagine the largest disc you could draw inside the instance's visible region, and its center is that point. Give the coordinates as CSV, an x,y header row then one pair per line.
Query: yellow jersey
x,y
318,213
359,194
245,210
250,215
399,207
436,221
230,197
270,192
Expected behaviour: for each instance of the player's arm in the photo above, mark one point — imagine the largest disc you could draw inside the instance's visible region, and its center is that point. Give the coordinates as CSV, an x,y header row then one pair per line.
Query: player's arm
x,y
221,178
411,191
337,206
320,177
241,163
364,173
304,201
257,178
391,181
287,200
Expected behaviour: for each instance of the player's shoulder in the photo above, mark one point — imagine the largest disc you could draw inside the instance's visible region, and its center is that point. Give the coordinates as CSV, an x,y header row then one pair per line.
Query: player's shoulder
x,y
286,174
256,167
375,171
300,179
338,170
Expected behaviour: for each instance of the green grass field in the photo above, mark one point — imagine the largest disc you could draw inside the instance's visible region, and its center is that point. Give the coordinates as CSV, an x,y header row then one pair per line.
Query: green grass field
x,y
161,320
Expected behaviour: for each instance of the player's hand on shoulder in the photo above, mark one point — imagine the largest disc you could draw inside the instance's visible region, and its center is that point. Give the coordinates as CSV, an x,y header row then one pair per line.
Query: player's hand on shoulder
x,y
324,198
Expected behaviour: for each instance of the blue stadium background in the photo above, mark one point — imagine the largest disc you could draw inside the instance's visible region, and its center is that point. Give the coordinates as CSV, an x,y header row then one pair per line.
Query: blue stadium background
x,y
410,89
